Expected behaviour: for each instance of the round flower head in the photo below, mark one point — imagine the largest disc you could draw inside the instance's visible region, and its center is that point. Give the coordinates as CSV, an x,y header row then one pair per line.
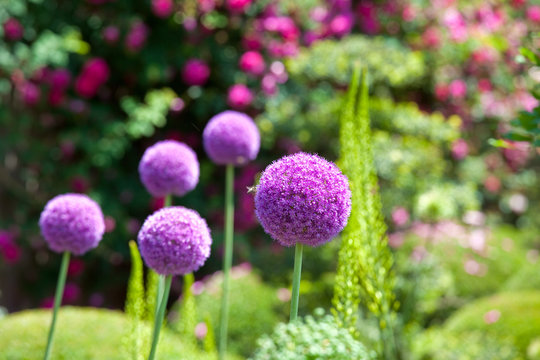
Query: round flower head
x,y
174,241
72,222
169,167
231,138
303,198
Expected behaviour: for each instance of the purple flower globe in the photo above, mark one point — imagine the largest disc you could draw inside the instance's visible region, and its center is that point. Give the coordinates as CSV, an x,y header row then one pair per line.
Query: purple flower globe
x,y
174,241
303,198
72,222
169,167
231,138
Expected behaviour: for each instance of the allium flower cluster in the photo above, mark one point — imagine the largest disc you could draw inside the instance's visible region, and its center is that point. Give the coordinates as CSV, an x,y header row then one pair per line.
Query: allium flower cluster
x,y
94,74
175,241
231,138
303,198
169,167
72,222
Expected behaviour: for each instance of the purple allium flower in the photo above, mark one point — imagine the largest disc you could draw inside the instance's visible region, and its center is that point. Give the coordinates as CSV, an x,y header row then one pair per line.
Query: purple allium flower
x,y
72,222
303,198
174,241
169,167
231,138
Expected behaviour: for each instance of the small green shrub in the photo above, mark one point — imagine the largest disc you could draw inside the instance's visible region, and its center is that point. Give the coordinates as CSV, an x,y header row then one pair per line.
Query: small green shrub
x,y
437,344
313,338
81,334
253,308
517,315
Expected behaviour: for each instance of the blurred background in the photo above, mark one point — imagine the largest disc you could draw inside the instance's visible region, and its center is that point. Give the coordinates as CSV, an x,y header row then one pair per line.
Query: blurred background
x,y
86,86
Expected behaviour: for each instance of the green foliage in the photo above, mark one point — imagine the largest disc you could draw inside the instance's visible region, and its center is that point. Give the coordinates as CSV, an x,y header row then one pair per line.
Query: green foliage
x,y
525,278
519,317
446,201
253,308
136,343
81,334
188,311
365,262
435,344
311,338
386,60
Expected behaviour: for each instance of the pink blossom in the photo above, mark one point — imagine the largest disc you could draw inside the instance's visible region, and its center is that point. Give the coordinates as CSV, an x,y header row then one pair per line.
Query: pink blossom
x,y
460,149
239,96
110,224
484,85
456,25
492,184
75,267
457,89
94,74
72,292
252,62
473,267
517,154
367,17
395,240
136,38
518,203
162,8
533,13
206,6
409,13
252,42
269,85
431,37
201,330
400,216
13,30
319,14
441,92
111,34
477,240
59,79
195,72
341,25
238,6
492,316
526,100
31,93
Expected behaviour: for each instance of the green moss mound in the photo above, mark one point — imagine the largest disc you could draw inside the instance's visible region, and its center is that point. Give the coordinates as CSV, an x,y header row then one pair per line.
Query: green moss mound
x,y
518,317
81,334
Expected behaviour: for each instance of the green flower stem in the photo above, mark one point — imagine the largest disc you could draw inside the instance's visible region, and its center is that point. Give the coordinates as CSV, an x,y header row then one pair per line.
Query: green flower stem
x,y
161,282
296,281
57,301
227,260
161,314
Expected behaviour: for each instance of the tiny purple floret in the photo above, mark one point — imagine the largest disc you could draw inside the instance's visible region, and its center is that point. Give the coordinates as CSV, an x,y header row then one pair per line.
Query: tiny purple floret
x,y
231,138
169,167
72,222
303,198
174,241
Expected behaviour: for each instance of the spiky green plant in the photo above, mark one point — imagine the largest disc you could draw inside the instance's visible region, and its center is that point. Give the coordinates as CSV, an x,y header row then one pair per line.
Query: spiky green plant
x,y
188,311
364,274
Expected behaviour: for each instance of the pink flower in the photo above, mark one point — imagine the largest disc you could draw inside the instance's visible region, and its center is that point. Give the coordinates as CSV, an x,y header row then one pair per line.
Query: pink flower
x,y
110,224
484,85
75,267
252,62
492,316
71,292
409,13
239,96
456,25
400,216
431,37
367,18
201,330
59,79
238,6
460,149
492,184
195,72
517,154
162,8
206,6
136,38
31,93
252,42
341,25
111,34
533,13
457,89
269,85
94,74
13,30
441,92
395,240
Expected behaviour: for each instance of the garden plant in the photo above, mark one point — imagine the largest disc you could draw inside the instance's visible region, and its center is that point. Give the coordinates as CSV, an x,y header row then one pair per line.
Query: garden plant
x,y
253,179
